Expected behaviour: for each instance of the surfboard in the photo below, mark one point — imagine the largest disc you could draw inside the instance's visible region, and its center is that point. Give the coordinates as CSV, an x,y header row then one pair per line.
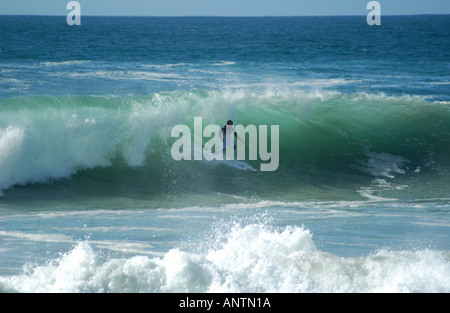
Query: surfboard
x,y
240,165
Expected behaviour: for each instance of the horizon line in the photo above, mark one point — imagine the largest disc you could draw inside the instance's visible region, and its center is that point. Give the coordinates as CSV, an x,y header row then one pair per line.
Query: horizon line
x,y
224,16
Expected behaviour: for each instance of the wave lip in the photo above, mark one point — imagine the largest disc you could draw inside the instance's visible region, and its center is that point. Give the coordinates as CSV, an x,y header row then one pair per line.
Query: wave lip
x,y
11,140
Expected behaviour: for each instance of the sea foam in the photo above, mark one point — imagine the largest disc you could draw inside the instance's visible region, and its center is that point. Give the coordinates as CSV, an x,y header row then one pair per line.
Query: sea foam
x,y
245,258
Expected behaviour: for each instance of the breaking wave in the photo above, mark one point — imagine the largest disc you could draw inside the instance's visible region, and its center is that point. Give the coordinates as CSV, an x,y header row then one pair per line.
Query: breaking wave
x,y
326,138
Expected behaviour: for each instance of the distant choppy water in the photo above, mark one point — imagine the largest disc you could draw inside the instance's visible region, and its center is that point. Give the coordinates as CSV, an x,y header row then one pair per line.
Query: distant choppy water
x,y
93,202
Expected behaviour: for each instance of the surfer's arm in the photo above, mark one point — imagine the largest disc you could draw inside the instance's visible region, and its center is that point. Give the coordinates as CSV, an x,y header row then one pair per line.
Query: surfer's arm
x,y
236,135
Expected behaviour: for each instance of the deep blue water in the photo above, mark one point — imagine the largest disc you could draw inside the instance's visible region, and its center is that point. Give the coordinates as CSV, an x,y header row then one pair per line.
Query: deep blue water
x,y
408,55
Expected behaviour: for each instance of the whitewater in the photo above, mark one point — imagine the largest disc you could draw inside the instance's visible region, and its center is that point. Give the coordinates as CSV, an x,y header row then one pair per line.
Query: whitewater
x,y
91,199
244,253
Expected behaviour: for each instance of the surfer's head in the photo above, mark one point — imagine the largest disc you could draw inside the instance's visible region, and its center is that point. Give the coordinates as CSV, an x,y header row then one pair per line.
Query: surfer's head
x,y
230,122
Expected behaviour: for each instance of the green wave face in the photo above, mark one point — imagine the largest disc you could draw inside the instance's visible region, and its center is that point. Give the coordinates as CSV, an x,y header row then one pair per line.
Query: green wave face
x,y
328,142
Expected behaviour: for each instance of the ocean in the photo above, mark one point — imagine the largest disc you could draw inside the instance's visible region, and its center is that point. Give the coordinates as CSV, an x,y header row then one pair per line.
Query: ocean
x,y
93,201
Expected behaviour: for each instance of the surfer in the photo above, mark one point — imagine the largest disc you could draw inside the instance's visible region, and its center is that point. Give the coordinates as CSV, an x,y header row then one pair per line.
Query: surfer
x,y
225,136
